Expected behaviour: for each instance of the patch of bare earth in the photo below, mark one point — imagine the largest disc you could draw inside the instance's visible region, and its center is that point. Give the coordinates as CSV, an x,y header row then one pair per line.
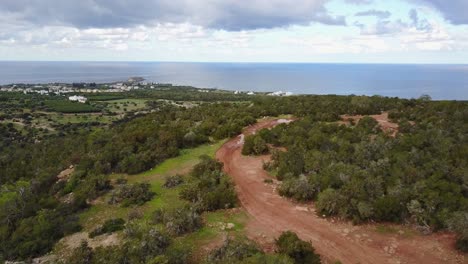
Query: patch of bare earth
x,y
382,119
68,243
270,214
66,173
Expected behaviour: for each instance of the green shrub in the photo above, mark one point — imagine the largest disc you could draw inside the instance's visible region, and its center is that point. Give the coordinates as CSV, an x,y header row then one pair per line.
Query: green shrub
x,y
157,217
268,259
298,189
368,124
178,221
254,145
108,227
36,235
208,187
458,223
173,181
132,194
462,244
233,250
302,252
179,253
328,202
94,186
145,243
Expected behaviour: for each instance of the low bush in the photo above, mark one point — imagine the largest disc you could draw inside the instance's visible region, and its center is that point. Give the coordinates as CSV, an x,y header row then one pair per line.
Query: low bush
x,y
459,224
300,251
298,189
173,181
254,145
109,226
208,187
132,194
233,250
135,213
94,186
145,243
328,202
178,221
243,251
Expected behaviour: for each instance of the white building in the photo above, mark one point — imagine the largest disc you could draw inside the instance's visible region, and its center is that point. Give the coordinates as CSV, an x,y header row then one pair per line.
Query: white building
x,y
280,93
76,98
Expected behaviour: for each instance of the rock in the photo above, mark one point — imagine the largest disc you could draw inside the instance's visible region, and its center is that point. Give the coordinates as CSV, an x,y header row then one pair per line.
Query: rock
x,y
302,208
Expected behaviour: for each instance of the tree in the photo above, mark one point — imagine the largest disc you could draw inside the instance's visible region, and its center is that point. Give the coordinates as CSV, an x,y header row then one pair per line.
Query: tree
x,y
300,251
328,202
459,224
299,189
254,145
425,98
260,146
233,250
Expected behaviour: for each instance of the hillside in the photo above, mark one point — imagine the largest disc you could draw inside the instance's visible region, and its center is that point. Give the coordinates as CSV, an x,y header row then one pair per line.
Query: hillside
x,y
142,184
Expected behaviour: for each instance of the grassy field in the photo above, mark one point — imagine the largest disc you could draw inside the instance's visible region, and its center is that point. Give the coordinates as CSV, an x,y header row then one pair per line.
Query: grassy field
x,y
74,118
169,198
65,106
125,105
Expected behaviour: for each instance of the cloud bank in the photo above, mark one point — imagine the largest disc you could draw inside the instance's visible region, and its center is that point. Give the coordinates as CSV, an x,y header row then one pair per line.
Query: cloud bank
x,y
231,15
455,11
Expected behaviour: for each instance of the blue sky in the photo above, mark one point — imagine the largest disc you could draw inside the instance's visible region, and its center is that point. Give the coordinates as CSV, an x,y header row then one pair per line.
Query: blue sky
x,y
345,31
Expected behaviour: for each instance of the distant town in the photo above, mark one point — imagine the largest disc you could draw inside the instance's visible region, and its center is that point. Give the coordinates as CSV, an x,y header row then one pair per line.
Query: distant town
x,y
133,83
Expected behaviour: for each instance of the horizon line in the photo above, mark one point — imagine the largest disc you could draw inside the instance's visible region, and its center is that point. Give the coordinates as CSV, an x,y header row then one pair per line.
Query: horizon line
x,y
241,62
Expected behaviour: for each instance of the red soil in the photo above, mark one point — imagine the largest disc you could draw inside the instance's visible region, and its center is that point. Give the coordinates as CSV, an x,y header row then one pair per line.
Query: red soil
x,y
271,214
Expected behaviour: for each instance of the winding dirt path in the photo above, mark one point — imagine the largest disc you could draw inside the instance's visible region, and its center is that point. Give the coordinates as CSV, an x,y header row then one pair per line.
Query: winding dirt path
x,y
271,214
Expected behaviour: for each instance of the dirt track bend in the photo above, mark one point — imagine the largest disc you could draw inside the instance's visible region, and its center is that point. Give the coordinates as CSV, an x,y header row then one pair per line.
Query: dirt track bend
x,y
271,214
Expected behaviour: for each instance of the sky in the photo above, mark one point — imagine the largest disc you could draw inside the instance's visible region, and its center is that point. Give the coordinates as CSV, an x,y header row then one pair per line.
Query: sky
x,y
336,31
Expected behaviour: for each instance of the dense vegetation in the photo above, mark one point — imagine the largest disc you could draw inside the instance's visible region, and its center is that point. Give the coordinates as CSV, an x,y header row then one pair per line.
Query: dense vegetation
x,y
209,188
300,251
357,172
30,191
290,250
362,173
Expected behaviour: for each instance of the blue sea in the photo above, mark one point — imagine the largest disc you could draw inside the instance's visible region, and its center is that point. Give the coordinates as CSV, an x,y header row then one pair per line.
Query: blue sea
x,y
396,80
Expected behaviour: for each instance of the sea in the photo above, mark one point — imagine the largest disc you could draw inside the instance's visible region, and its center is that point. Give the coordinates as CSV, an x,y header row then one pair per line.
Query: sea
x,y
441,82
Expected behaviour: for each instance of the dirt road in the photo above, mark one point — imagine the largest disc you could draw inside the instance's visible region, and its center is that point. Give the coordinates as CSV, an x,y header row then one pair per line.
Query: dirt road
x,y
271,214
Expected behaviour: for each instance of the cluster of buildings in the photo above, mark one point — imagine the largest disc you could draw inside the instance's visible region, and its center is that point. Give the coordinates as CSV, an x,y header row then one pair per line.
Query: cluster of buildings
x,y
278,93
240,92
134,83
77,98
65,88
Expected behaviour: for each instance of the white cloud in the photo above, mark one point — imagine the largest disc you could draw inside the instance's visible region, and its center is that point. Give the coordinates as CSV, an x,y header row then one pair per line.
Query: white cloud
x,y
328,45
